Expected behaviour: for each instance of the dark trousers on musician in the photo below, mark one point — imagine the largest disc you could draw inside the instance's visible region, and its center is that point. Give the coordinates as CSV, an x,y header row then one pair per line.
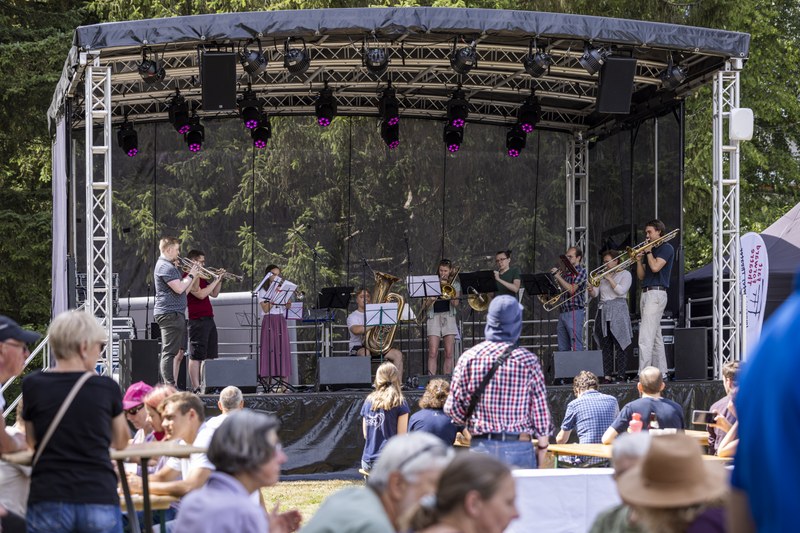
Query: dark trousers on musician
x,y
614,357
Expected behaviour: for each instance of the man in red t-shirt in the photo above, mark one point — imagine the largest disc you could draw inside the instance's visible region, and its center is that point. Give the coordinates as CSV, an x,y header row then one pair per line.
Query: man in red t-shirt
x,y
202,329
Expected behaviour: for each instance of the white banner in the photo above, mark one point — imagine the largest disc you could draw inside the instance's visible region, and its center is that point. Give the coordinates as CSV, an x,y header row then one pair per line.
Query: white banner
x,y
755,276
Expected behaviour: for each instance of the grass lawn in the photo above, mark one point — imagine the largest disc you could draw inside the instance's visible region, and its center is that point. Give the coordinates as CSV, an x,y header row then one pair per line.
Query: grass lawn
x,y
305,496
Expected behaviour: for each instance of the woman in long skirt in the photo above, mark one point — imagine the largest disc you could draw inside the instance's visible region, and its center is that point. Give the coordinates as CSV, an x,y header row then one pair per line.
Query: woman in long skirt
x,y
275,360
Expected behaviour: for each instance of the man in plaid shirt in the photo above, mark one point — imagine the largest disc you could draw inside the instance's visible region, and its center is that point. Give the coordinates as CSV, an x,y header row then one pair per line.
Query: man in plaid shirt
x,y
571,317
513,407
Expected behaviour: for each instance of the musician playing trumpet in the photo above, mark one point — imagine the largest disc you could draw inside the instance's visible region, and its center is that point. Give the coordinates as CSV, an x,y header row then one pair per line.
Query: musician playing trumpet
x,y
573,314
203,341
442,323
653,268
612,323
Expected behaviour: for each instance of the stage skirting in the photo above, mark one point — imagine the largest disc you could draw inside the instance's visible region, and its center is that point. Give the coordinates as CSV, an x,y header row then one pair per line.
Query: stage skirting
x,y
321,432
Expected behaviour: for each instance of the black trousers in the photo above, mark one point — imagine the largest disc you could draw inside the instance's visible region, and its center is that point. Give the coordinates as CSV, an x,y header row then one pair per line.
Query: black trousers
x,y
613,355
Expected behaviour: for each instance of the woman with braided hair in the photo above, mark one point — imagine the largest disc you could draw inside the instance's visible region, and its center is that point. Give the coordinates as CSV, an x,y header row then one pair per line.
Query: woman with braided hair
x,y
385,414
430,418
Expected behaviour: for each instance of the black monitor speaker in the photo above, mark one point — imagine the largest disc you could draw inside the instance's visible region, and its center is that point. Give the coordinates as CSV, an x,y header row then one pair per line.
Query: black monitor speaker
x,y
347,371
691,353
568,364
216,374
616,85
139,361
219,81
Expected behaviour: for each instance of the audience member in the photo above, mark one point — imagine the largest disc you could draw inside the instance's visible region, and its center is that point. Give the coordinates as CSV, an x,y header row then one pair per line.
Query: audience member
x,y
246,455
765,476
408,468
513,407
13,349
385,414
73,483
152,402
672,490
15,483
475,494
627,451
667,413
431,417
591,412
725,416
136,414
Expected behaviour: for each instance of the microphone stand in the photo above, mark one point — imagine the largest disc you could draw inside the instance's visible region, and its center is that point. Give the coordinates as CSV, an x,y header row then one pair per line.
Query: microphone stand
x,y
314,257
405,335
147,332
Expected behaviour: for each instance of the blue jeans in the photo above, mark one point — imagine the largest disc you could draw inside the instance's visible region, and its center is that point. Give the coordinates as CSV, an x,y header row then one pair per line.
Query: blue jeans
x,y
64,517
570,330
519,454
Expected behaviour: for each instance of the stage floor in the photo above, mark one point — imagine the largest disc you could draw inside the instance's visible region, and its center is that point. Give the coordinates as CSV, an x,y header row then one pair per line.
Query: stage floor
x,y
321,431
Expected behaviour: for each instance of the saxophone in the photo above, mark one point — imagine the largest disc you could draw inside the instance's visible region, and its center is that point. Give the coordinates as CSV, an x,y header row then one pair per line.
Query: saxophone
x,y
378,339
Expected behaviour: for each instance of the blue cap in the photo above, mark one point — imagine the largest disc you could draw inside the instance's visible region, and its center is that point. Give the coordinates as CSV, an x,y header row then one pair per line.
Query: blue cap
x,y
504,320
11,330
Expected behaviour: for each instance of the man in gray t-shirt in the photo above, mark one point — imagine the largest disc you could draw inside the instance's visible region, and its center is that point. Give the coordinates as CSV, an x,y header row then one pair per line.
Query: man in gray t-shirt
x,y
170,305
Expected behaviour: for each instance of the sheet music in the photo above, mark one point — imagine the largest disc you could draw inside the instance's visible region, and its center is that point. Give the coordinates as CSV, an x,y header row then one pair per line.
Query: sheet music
x,y
422,286
272,290
295,312
263,281
384,314
284,293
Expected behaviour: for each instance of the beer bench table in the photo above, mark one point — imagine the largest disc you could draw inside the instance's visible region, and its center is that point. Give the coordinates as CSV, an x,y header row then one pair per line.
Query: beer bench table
x,y
601,450
144,452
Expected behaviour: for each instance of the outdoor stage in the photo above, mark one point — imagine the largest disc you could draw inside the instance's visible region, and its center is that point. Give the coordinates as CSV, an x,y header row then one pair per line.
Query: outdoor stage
x,y
321,432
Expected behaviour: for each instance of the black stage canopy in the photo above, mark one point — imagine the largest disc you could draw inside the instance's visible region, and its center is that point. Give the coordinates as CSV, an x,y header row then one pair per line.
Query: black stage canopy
x,y
419,42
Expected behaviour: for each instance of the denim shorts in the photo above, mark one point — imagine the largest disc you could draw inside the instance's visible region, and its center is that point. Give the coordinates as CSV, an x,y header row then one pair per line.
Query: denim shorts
x,y
65,517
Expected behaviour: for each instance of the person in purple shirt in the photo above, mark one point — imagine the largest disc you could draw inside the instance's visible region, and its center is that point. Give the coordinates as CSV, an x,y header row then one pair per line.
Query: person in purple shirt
x,y
247,456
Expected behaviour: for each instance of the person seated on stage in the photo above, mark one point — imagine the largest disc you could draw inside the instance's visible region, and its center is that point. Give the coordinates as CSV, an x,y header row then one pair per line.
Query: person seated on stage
x,y
356,325
136,414
431,417
656,412
442,323
475,493
726,417
384,414
408,469
673,490
246,455
183,420
626,452
591,412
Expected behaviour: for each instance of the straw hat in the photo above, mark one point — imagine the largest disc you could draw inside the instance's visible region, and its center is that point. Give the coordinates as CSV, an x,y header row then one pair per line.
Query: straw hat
x,y
673,474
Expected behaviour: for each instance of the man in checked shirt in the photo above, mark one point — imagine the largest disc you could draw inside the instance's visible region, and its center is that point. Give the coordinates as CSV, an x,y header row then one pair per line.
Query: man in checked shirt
x,y
513,407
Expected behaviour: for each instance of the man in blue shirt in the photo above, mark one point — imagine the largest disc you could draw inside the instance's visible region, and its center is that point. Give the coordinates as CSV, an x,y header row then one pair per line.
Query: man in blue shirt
x,y
653,269
591,412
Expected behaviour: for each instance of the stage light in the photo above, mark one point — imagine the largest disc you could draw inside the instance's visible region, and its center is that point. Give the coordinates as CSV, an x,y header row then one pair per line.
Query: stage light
x,y
529,114
151,70
463,59
515,141
254,63
536,62
672,76
592,59
376,60
262,133
195,135
296,60
457,109
325,107
390,133
128,139
179,113
453,137
389,107
249,109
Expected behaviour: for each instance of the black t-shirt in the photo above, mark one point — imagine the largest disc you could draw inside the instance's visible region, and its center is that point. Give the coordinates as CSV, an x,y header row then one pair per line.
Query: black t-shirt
x,y
668,413
75,466
441,306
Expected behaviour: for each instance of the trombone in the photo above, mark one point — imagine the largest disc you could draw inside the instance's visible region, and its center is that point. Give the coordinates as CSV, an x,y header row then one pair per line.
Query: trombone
x,y
628,258
448,293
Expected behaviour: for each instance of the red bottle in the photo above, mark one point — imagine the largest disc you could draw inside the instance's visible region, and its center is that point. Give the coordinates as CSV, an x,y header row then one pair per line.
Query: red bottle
x,y
635,425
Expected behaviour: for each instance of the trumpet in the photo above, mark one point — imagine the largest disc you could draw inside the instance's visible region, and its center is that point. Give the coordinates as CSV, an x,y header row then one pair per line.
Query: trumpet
x,y
226,275
628,258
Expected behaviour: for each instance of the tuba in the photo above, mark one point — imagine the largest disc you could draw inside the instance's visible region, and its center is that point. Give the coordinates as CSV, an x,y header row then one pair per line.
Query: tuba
x,y
378,339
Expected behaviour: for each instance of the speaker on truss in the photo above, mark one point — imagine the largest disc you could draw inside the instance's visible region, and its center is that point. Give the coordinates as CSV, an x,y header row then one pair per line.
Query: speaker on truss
x,y
616,85
347,371
218,78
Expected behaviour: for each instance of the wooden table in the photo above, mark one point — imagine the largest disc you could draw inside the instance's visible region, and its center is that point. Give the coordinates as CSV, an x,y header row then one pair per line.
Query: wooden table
x,y
602,450
700,435
144,452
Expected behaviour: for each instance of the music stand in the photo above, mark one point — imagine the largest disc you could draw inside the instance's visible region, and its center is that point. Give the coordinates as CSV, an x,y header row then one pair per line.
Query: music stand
x,y
540,283
334,298
383,314
423,286
481,281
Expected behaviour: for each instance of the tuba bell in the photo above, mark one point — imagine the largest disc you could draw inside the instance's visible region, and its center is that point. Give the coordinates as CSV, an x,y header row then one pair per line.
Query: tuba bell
x,y
378,339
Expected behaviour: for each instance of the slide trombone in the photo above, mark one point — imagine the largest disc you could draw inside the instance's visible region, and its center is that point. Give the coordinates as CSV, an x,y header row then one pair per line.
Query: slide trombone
x,y
628,258
550,303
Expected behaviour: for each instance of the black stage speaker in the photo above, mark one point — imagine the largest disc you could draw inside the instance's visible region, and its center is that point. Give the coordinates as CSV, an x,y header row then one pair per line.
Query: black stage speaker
x,y
568,364
219,81
691,353
345,371
139,360
616,85
216,374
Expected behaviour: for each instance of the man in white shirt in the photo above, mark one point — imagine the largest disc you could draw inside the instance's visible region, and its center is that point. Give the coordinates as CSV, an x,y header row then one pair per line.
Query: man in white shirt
x,y
356,325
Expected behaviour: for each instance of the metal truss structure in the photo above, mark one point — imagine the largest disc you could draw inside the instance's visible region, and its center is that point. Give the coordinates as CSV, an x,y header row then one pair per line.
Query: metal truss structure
x,y
97,105
728,318
578,194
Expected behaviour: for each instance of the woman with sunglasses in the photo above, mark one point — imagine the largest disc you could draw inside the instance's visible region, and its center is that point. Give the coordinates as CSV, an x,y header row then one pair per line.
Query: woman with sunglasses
x,y
73,483
136,414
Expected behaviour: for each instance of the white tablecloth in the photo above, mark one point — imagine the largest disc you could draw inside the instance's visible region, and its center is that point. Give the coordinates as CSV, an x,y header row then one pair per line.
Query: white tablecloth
x,y
562,500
